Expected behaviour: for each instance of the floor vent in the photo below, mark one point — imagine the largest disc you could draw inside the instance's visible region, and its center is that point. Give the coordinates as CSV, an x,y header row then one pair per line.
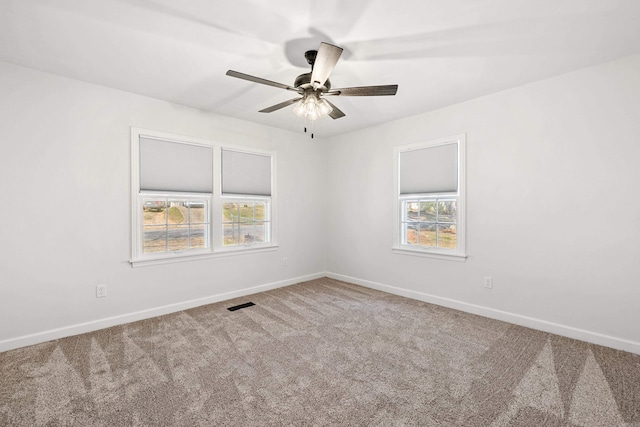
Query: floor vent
x,y
238,307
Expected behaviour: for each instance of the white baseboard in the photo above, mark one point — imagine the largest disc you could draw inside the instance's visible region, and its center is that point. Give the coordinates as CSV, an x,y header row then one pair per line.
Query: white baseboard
x,y
542,325
529,322
95,325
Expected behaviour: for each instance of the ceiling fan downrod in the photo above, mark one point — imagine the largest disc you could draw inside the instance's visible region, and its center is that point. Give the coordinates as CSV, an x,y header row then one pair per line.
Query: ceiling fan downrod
x,y
310,56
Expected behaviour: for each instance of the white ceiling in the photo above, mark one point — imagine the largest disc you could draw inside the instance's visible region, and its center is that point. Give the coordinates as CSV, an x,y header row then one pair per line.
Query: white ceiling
x,y
438,52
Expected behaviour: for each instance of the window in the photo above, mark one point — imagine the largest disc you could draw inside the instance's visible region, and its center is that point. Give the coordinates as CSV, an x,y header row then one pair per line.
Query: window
x,y
246,221
192,198
430,222
430,198
174,195
174,224
246,198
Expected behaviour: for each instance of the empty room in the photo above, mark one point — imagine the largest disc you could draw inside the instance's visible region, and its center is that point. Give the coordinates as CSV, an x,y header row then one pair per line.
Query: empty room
x,y
304,213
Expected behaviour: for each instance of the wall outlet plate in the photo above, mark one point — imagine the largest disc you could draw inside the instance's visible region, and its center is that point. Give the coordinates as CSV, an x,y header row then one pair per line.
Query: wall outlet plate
x,y
488,282
101,291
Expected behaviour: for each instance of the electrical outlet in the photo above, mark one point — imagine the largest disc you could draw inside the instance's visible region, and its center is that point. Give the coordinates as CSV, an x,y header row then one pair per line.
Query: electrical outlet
x,y
101,291
488,282
285,261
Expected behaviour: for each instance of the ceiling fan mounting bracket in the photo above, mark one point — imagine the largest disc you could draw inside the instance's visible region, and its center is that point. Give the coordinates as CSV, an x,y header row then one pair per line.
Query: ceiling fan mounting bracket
x,y
310,56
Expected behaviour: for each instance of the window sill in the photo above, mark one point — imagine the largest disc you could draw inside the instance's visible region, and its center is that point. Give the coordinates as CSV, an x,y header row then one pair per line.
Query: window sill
x,y
430,254
173,258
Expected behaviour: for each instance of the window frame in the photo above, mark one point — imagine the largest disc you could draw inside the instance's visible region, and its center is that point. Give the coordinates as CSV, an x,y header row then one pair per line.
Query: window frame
x,y
215,235
399,245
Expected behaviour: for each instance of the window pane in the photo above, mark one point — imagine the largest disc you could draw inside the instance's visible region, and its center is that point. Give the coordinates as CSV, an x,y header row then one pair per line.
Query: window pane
x,y
230,211
428,211
246,222
198,213
410,231
247,233
447,211
261,211
177,213
231,234
175,224
427,235
412,210
153,212
177,237
435,223
154,239
261,232
447,237
246,211
198,236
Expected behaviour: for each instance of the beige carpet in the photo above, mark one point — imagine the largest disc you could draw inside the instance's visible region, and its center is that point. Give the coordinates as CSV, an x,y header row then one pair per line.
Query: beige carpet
x,y
319,353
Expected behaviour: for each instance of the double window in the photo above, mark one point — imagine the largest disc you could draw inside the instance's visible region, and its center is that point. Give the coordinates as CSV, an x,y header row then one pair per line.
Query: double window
x,y
430,198
194,198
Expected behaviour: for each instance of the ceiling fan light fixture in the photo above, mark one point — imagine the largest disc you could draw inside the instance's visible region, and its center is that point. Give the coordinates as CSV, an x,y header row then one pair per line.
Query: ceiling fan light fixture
x,y
324,107
299,109
311,110
311,107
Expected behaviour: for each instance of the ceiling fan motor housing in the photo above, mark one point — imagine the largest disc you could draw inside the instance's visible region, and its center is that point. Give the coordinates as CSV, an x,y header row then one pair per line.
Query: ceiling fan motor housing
x,y
303,81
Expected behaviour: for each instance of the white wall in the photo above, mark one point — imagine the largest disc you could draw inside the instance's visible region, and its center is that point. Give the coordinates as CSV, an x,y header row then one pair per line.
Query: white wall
x,y
552,211
65,221
552,206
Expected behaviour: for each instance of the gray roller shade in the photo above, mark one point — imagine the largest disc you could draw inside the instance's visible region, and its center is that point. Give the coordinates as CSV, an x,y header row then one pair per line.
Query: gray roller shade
x,y
429,170
173,166
246,173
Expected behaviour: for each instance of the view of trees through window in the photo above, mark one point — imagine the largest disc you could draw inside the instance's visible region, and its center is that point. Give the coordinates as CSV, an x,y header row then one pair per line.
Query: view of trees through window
x,y
175,224
429,222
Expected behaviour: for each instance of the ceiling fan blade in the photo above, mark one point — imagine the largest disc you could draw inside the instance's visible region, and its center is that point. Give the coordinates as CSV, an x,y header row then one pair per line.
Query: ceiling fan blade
x,y
259,80
326,59
279,106
365,91
336,113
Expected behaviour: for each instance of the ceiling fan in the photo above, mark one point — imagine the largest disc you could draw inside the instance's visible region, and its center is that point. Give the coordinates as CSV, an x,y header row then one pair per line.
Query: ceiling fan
x,y
314,86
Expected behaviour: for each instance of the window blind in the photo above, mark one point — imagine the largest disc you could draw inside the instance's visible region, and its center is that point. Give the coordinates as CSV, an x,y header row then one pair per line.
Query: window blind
x,y
429,170
174,166
246,173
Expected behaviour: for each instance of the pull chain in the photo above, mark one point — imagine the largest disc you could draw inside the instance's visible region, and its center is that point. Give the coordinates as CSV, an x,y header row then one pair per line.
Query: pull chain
x,y
310,127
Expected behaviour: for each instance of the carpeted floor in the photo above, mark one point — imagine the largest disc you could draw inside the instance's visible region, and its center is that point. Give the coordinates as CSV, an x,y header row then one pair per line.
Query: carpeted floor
x,y
319,353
